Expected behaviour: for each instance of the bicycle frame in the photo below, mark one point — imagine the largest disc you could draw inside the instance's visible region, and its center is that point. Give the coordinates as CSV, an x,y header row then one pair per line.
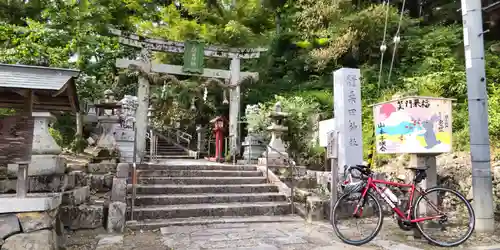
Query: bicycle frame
x,y
372,184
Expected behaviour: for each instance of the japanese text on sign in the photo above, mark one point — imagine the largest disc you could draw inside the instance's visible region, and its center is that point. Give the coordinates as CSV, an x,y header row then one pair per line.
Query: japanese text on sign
x,y
347,111
352,99
413,125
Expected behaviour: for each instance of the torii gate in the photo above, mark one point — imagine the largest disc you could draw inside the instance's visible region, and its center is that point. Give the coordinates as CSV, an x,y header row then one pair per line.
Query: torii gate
x,y
234,76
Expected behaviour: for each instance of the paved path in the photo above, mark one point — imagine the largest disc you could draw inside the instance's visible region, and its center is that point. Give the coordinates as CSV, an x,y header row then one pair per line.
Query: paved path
x,y
265,236
295,235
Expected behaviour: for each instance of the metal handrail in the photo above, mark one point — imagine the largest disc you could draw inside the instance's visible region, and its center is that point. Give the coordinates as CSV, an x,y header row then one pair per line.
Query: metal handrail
x,y
179,134
291,164
153,145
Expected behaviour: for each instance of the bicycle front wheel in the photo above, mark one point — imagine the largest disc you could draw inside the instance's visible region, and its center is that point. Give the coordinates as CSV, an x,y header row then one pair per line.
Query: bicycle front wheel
x,y
453,218
345,222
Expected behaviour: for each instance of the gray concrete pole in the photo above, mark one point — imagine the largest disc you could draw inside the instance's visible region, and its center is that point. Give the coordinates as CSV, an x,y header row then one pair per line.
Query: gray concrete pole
x,y
234,105
478,115
141,115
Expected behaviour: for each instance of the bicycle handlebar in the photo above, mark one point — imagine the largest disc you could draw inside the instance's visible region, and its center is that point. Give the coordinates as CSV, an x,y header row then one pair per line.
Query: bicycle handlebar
x,y
364,170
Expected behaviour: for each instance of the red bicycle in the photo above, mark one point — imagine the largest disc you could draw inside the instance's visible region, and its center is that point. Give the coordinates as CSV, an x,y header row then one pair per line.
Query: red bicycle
x,y
358,199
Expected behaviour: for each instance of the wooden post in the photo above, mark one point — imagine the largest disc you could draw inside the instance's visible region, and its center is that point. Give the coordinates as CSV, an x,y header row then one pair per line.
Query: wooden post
x,y
422,161
332,154
79,124
22,172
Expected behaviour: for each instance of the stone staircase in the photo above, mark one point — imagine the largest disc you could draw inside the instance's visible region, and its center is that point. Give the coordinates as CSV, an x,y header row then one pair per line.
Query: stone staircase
x,y
167,150
177,194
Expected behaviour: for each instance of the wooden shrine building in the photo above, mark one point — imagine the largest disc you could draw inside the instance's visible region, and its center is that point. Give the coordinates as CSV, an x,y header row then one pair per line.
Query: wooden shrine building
x,y
48,89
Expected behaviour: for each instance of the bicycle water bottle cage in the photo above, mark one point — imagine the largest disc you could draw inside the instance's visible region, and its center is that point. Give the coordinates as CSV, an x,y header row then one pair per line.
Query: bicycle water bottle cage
x,y
420,175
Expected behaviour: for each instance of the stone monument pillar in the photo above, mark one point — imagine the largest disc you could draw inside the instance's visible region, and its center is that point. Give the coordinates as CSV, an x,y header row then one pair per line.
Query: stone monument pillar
x,y
276,151
45,159
124,132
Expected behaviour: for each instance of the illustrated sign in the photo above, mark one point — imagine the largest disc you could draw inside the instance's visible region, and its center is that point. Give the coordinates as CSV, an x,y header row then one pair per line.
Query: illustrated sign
x,y
16,139
194,53
413,125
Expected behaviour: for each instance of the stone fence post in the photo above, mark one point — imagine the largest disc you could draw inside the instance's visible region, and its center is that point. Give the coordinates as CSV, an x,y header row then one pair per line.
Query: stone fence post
x,y
118,205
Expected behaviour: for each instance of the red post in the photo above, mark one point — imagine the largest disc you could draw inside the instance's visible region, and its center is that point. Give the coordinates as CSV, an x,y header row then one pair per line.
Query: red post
x,y
217,144
219,123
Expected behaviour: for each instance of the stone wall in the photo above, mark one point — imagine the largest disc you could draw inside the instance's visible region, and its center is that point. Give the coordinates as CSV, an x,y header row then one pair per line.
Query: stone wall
x,y
32,230
85,189
98,179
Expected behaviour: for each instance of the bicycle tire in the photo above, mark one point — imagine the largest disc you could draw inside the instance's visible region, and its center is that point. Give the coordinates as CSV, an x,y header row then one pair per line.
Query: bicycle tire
x,y
372,235
472,217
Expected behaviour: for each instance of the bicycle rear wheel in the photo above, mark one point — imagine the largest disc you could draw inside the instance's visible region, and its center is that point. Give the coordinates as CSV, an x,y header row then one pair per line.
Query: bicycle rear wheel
x,y
441,230
343,213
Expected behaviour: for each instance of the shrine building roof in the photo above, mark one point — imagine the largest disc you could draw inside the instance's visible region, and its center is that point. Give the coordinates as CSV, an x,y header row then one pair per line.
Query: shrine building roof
x,y
54,89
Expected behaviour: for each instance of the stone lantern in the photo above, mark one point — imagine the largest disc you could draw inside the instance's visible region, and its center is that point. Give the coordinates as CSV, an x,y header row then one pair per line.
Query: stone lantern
x,y
107,120
276,151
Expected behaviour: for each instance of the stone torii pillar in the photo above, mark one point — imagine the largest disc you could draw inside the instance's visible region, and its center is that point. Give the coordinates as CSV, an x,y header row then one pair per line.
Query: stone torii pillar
x,y
234,105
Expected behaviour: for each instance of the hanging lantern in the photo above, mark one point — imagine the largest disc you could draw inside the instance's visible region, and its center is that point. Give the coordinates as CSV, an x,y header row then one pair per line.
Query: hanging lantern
x,y
225,101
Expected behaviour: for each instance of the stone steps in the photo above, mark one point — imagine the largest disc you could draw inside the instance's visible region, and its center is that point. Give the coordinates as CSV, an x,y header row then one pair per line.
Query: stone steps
x,y
173,199
167,192
225,167
169,150
158,223
198,173
214,210
190,189
174,156
201,180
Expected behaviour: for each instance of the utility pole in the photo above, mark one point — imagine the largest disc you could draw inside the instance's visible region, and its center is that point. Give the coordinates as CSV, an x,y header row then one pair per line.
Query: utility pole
x,y
478,114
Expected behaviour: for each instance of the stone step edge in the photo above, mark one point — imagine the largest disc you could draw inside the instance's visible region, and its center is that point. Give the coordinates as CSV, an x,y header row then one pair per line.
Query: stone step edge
x,y
197,171
197,195
197,185
209,206
203,178
154,224
206,164
199,167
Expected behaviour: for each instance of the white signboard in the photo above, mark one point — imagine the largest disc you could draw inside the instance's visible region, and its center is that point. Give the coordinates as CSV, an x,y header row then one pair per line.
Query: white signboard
x,y
325,127
347,108
332,147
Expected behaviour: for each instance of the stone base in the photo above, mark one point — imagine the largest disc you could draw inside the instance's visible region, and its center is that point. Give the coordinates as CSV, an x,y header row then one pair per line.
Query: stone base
x,y
314,209
28,204
116,217
100,182
41,183
41,165
83,216
75,196
243,162
272,162
101,168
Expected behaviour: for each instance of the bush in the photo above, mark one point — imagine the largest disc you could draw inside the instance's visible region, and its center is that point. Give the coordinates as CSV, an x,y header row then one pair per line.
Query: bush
x,y
78,144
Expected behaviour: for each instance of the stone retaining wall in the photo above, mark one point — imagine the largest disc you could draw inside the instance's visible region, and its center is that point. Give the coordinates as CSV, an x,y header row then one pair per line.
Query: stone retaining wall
x,y
32,230
85,190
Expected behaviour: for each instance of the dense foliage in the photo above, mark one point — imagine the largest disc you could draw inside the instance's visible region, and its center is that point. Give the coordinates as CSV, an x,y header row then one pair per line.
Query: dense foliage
x,y
306,41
